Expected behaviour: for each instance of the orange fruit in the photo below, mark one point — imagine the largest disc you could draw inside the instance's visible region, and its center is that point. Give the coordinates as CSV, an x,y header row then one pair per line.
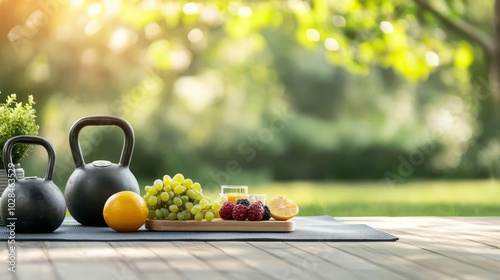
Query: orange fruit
x,y
282,208
125,211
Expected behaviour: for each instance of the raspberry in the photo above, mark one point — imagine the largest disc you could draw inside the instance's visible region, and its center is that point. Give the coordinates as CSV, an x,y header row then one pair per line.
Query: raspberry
x,y
267,213
255,211
243,201
240,212
226,211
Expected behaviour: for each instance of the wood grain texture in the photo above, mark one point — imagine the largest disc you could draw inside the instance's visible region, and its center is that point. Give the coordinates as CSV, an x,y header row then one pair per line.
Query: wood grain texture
x,y
221,225
428,248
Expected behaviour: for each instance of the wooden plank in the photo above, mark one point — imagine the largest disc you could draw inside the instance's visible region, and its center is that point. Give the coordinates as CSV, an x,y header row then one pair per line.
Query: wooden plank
x,y
304,264
383,255
221,225
142,262
429,248
260,260
181,262
361,268
33,262
488,241
469,256
93,261
452,238
443,237
435,262
4,256
219,261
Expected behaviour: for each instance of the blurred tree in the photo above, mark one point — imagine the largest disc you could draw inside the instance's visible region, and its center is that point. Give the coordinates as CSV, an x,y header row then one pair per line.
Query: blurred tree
x,y
199,79
451,17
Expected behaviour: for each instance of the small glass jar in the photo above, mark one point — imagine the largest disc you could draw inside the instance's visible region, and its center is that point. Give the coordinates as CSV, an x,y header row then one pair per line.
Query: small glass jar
x,y
233,193
257,197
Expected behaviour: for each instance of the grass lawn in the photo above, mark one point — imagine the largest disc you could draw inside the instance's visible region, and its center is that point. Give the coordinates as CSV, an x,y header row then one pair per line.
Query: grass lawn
x,y
426,198
419,198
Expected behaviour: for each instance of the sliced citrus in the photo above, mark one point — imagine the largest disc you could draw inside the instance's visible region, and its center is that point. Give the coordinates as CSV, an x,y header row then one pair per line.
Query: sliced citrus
x,y
282,208
125,211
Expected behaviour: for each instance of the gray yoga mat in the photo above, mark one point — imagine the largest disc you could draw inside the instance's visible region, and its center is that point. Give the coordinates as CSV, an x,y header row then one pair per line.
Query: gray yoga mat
x,y
314,228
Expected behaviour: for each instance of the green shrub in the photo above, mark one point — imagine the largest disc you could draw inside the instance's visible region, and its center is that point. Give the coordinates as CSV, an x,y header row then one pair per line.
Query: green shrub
x,y
17,118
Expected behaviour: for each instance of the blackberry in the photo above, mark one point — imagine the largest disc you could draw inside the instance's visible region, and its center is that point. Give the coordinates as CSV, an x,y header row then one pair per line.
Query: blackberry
x,y
226,211
240,212
243,201
256,211
267,213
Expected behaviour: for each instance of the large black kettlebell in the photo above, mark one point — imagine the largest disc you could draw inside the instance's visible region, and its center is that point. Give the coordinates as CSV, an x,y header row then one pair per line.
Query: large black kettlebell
x,y
92,184
32,204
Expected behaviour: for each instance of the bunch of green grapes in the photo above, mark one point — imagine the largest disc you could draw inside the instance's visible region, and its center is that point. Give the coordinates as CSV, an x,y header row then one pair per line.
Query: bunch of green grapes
x,y
180,199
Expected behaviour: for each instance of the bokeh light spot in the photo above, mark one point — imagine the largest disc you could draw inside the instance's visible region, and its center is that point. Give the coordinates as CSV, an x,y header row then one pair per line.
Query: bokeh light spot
x,y
312,35
76,3
195,35
331,44
119,40
94,10
386,27
190,8
244,12
339,21
92,27
432,58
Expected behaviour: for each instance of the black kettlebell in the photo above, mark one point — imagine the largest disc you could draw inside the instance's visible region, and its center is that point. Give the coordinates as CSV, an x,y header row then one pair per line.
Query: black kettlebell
x,y
32,204
92,184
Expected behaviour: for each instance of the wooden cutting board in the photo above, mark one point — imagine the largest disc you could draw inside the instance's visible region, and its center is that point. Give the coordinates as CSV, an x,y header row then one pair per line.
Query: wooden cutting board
x,y
221,225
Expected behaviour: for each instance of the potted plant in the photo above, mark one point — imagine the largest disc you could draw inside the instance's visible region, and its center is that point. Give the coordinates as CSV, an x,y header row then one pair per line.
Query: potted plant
x,y
16,118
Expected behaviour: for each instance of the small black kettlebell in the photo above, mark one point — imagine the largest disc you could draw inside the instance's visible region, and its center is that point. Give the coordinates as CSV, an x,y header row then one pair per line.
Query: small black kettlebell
x,y
90,185
31,204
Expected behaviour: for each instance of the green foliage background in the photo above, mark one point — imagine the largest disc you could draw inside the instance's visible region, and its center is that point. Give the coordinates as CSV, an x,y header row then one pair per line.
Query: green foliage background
x,y
270,90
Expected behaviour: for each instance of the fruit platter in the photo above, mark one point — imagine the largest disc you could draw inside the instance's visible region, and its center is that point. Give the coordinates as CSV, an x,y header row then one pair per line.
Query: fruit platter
x,y
179,204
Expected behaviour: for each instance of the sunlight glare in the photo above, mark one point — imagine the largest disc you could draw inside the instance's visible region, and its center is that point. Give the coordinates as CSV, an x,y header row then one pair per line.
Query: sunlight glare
x,y
312,35
119,39
244,12
181,59
432,59
195,35
211,16
331,44
76,3
386,27
92,27
299,6
170,9
94,10
199,91
150,4
112,7
190,8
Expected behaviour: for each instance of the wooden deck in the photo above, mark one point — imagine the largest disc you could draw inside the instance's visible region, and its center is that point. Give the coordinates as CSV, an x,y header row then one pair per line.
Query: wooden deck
x,y
429,248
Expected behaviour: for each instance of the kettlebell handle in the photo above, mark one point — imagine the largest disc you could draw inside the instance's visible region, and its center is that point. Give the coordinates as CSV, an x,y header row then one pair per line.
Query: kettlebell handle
x,y
128,131
33,140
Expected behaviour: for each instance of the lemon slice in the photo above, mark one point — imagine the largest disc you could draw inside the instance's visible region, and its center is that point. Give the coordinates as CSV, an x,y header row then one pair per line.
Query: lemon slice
x,y
282,208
